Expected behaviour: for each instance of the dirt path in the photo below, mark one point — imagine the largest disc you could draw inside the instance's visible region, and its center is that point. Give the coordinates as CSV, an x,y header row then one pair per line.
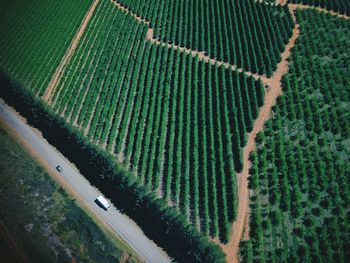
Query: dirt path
x,y
240,228
281,2
56,76
201,55
125,9
242,222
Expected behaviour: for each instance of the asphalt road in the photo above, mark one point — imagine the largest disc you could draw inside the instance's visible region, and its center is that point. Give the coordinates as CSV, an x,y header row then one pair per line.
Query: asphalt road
x,y
120,224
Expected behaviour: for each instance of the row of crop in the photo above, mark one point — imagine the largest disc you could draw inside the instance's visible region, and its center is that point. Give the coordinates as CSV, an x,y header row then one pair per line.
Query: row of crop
x,y
95,99
34,39
340,6
248,34
89,39
161,142
300,173
70,89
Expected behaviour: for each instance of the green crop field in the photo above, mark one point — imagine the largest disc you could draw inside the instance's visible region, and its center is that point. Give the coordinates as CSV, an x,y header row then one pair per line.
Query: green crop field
x,y
300,176
177,91
34,36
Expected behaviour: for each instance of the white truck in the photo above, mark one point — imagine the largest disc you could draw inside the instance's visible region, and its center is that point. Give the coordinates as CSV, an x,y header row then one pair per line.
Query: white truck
x,y
103,202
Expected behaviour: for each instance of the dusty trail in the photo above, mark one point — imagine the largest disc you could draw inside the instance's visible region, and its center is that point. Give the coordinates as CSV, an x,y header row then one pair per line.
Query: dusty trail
x,y
275,90
125,9
56,76
201,55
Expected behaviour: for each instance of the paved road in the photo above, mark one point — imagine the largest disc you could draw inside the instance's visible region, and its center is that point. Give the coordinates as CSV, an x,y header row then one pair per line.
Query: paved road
x,y
122,225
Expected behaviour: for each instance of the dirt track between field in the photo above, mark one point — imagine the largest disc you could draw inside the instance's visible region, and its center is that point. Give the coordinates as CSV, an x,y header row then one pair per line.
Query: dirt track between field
x,y
241,226
56,76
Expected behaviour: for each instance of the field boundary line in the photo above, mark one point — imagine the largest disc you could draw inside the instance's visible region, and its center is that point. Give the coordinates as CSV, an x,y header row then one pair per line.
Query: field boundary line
x,y
73,45
240,228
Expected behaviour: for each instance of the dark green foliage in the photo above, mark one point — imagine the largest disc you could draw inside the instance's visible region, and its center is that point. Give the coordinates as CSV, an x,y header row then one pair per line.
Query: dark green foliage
x,y
300,173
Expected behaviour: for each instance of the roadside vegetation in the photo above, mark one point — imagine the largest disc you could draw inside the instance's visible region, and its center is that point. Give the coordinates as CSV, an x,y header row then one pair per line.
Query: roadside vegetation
x,y
47,224
300,176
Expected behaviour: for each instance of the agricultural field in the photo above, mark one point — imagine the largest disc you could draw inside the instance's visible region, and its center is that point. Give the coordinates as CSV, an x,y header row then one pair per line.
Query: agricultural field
x,y
339,6
177,91
248,34
300,176
151,106
34,38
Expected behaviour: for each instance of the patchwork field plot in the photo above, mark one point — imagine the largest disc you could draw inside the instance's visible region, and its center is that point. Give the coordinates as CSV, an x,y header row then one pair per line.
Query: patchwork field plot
x,y
34,36
300,174
245,33
179,123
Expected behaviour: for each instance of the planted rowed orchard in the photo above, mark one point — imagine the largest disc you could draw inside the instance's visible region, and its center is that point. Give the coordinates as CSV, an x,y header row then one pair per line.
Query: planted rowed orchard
x,y
179,123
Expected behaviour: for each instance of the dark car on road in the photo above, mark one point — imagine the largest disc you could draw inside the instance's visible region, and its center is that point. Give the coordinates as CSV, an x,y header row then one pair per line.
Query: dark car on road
x,y
59,168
